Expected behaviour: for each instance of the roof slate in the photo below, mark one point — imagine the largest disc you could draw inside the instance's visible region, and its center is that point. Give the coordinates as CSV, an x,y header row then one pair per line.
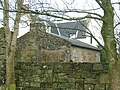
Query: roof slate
x,y
72,27
78,43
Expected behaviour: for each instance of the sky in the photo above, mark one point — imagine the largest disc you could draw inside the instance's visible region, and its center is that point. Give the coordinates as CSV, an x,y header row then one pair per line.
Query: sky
x,y
63,4
66,4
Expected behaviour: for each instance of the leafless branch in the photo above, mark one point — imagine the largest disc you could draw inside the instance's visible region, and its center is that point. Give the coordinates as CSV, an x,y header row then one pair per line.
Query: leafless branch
x,y
117,25
76,11
90,33
1,3
99,2
52,15
116,3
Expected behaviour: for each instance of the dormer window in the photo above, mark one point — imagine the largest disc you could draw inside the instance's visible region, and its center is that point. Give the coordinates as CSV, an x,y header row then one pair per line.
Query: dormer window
x,y
72,35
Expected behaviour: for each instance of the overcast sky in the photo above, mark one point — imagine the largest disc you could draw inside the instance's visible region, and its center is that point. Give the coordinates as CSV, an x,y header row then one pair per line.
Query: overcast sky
x,y
68,4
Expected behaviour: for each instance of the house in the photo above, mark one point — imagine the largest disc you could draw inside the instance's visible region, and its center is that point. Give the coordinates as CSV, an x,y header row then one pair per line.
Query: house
x,y
38,45
74,30
71,29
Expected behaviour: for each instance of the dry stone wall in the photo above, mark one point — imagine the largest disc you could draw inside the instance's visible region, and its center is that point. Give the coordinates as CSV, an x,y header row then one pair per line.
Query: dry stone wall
x,y
62,76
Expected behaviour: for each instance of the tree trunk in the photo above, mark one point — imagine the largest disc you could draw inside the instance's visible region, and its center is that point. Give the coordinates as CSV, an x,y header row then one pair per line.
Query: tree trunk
x,y
10,72
110,45
11,39
114,78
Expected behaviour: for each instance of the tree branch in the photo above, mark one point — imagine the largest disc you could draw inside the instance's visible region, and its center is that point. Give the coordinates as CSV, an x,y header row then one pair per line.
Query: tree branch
x,y
65,18
56,16
92,35
100,4
116,25
116,3
6,20
17,20
1,3
82,11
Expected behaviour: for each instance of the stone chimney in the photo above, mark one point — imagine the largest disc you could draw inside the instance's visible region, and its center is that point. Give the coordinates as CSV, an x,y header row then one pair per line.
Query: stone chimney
x,y
37,27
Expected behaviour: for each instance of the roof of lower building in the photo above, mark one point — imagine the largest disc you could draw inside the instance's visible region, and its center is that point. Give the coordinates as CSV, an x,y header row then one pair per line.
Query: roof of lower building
x,y
78,43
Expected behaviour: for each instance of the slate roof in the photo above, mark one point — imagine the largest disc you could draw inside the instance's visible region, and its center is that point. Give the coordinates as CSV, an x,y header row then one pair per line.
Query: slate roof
x,y
78,43
64,29
82,44
72,27
53,27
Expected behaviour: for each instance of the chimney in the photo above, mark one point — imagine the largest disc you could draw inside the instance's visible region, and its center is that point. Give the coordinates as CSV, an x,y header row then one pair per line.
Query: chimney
x,y
37,27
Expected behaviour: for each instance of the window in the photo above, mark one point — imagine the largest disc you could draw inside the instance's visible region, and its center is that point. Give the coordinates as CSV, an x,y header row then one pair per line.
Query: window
x,y
72,35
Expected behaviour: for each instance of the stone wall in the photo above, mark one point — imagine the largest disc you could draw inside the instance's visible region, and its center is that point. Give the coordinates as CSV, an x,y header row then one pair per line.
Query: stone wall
x,y
61,55
84,55
37,45
61,76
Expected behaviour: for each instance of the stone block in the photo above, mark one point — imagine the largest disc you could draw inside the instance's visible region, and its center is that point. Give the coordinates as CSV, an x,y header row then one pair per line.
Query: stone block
x,y
87,74
97,66
79,86
107,87
86,66
58,68
100,87
91,81
88,87
104,78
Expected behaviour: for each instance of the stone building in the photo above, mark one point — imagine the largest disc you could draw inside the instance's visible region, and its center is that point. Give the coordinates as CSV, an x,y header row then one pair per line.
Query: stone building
x,y
38,45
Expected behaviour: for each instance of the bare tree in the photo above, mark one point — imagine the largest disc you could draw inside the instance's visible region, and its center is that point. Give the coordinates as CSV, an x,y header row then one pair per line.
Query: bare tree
x,y
107,32
11,38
